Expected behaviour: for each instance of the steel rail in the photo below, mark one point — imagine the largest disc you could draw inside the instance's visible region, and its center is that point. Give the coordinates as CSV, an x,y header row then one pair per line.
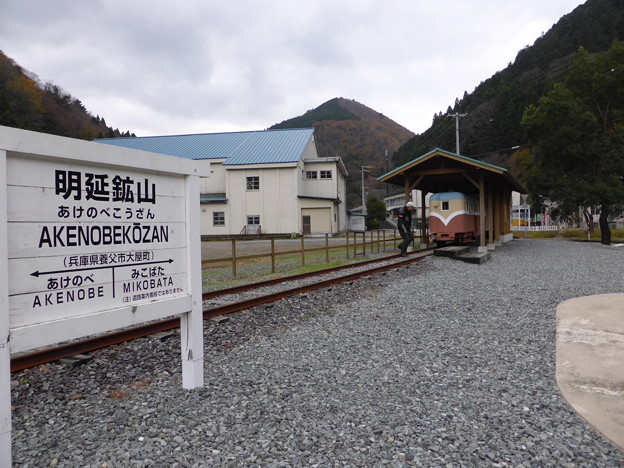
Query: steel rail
x,y
272,282
45,356
272,297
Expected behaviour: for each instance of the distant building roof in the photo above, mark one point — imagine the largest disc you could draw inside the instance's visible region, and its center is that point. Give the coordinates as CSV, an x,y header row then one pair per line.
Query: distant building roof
x,y
236,148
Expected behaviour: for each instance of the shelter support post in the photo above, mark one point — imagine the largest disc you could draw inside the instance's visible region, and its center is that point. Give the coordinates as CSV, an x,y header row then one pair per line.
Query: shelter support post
x,y
500,215
482,244
192,323
480,185
424,228
491,214
507,234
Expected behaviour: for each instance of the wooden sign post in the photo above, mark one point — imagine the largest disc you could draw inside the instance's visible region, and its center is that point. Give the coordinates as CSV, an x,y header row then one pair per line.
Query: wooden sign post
x,y
94,238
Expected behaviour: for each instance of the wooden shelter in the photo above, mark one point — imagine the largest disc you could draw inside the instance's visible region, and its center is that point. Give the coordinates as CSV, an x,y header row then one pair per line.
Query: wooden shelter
x,y
443,171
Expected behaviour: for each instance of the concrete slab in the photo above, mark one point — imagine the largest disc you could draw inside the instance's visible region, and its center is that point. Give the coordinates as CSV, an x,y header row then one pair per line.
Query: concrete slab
x,y
475,257
452,251
590,361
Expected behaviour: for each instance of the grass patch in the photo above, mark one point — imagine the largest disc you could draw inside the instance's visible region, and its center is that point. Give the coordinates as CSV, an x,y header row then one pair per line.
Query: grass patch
x,y
576,234
542,234
219,275
617,235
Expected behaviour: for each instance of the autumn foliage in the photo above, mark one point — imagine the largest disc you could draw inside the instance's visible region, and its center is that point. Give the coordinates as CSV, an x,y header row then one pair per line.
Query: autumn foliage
x,y
28,104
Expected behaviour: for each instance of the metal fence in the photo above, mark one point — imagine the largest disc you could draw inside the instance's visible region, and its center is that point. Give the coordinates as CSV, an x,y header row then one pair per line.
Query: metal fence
x,y
535,228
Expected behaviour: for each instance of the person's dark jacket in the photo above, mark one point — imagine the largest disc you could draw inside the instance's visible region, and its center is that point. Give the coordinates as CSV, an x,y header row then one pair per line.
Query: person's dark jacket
x,y
405,217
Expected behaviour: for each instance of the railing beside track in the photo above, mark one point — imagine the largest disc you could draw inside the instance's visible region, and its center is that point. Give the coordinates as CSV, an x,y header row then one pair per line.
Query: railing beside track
x,y
354,245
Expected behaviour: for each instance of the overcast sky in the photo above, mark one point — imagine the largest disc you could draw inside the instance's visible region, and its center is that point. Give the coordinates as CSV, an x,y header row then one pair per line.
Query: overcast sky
x,y
201,66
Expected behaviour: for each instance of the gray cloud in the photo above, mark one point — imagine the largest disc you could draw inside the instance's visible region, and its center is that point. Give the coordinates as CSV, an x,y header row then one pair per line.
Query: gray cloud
x,y
202,66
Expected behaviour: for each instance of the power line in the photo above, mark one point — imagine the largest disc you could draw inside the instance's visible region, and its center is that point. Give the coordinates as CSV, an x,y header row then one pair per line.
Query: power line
x,y
438,132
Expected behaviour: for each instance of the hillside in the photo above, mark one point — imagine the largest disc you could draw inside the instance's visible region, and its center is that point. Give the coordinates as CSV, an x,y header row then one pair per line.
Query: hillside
x,y
491,129
356,133
28,104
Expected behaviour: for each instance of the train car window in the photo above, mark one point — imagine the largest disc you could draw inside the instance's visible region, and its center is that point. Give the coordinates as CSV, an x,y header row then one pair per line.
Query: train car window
x,y
445,206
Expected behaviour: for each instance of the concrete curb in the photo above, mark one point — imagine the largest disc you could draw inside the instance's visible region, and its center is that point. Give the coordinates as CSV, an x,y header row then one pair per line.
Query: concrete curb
x,y
590,361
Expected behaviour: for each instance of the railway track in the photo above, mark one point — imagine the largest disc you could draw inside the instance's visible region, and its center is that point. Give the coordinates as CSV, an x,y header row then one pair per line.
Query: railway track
x,y
33,359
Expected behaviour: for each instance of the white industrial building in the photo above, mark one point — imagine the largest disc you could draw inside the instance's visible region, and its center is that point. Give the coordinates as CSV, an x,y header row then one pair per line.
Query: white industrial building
x,y
261,182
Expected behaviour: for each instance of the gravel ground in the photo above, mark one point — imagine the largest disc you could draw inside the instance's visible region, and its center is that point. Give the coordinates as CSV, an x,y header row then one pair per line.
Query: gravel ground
x,y
440,364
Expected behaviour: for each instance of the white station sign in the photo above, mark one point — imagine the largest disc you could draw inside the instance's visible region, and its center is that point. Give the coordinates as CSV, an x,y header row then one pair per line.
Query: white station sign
x,y
82,238
94,238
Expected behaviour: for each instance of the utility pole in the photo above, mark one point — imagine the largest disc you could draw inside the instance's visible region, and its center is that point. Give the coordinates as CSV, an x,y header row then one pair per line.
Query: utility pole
x,y
363,199
387,185
456,116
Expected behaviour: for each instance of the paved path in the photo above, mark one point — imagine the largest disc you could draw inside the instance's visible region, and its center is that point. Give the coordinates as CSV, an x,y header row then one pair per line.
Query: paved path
x,y
590,360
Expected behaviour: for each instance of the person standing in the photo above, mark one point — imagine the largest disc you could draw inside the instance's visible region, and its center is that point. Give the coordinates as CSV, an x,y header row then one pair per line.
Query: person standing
x,y
404,224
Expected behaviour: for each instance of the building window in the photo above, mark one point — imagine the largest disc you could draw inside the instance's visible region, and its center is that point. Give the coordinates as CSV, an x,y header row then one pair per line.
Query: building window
x,y
218,218
445,206
326,174
253,220
253,183
311,175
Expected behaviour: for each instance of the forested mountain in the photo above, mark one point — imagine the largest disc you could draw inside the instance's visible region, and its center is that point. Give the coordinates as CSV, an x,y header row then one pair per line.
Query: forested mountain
x,y
491,128
29,104
359,135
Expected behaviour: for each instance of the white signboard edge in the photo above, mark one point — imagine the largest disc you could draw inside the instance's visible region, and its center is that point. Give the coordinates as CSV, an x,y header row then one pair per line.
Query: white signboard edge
x,y
191,324
45,334
5,352
100,154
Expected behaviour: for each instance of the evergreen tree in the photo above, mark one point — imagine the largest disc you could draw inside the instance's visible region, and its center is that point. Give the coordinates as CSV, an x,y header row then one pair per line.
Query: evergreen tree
x,y
577,132
375,212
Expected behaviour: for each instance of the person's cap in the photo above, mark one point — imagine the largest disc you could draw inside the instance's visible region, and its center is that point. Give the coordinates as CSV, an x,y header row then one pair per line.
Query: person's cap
x,y
411,203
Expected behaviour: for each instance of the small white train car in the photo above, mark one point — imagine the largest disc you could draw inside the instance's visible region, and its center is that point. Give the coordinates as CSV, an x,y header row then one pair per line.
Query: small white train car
x,y
453,217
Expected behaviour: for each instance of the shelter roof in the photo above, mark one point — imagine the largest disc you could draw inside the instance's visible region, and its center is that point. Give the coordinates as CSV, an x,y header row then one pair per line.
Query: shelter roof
x,y
443,171
235,148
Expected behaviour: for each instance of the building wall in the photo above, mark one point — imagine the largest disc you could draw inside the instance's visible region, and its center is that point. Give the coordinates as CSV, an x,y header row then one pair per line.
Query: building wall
x,y
216,182
277,201
334,188
207,219
318,187
316,208
321,219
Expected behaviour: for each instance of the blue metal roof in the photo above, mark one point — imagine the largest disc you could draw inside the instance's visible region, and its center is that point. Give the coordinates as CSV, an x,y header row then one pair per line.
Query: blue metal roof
x,y
237,148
